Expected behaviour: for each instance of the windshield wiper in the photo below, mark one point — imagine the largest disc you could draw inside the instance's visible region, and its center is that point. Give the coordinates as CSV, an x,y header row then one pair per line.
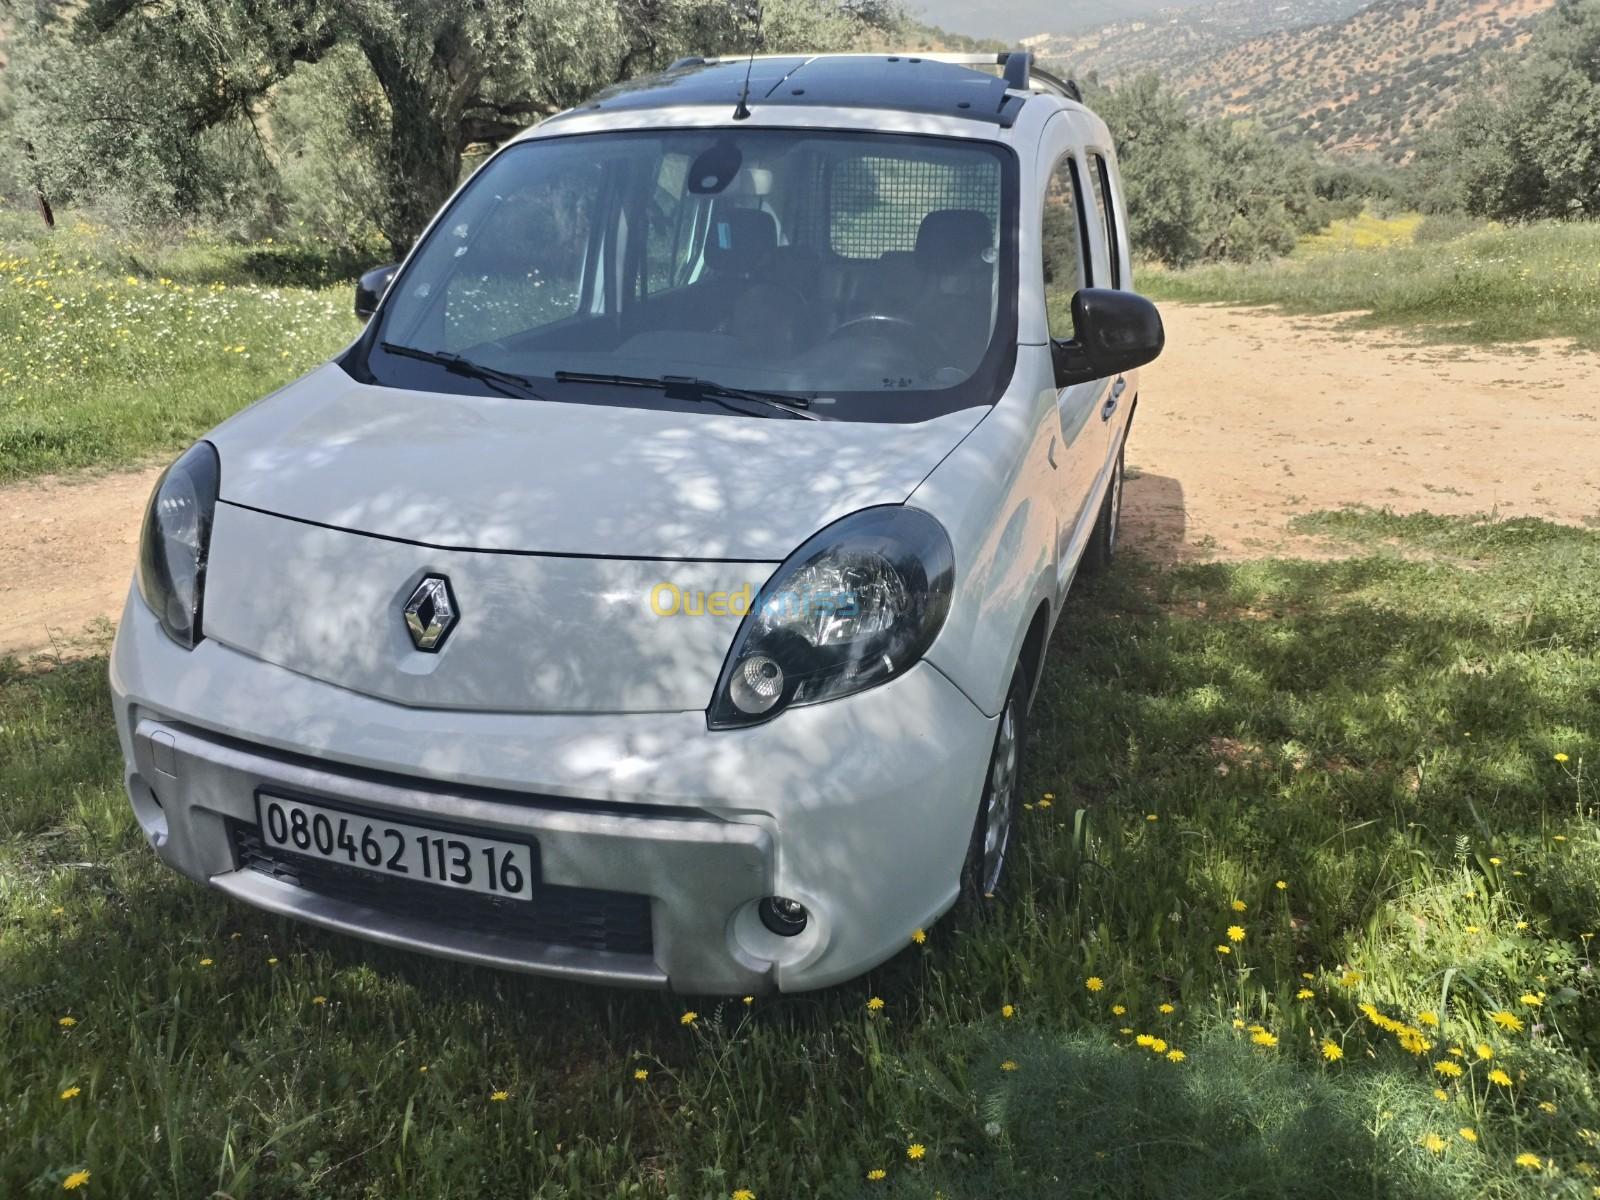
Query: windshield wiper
x,y
686,387
503,381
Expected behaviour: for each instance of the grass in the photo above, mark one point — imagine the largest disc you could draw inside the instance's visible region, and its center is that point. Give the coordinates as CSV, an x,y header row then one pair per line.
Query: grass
x,y
114,351
1496,285
1402,738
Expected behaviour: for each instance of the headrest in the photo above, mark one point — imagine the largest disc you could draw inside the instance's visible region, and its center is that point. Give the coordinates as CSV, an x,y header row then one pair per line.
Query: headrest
x,y
953,239
742,239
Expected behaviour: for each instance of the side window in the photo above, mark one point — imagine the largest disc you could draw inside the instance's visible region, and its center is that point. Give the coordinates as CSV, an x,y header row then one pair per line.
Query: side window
x,y
1066,268
670,244
496,292
1100,179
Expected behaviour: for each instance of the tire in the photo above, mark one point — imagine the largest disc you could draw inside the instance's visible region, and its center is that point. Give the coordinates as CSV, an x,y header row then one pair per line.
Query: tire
x,y
993,844
1102,547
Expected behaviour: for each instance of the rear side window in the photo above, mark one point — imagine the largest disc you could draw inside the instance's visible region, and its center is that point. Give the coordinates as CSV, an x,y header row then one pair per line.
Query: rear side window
x,y
877,203
1066,267
1100,180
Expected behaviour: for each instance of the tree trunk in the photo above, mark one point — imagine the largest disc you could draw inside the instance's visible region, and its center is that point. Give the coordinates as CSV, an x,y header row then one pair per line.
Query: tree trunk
x,y
423,162
41,201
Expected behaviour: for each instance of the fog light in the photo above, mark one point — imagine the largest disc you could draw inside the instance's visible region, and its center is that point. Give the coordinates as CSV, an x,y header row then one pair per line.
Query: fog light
x,y
757,685
786,918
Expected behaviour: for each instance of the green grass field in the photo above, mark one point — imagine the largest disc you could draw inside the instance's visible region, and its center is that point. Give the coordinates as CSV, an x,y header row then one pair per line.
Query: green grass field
x,y
113,351
1494,285
1309,883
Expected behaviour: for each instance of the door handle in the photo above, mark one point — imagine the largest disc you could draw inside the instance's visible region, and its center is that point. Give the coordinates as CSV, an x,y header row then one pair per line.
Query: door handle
x,y
1117,388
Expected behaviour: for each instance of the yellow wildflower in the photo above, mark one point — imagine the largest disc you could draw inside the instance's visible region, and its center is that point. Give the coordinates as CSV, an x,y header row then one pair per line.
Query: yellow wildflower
x,y
1332,1051
1531,1000
875,1004
1238,906
499,1097
1434,1143
741,1194
916,1151
1235,933
876,1174
1118,1010
70,1092
205,962
640,1074
1468,1134
1145,1040
75,1181
749,1000
272,962
1304,994
1497,1076
1166,1008
1282,885
1560,757
1158,1045
1548,1108
1506,1020
1262,1038
1152,817
1485,1052
319,1000
1440,1094
1224,949
1532,1161
1176,1056
67,1022
689,1018
1094,983
1008,1065
919,936
1007,1011
1349,979
1446,1067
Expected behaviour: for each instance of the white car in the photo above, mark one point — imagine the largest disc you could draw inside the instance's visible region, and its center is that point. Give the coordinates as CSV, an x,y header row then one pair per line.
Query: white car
x,y
655,592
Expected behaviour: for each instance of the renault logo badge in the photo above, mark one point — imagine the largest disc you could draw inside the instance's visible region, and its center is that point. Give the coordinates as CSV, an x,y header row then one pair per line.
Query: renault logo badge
x,y
431,613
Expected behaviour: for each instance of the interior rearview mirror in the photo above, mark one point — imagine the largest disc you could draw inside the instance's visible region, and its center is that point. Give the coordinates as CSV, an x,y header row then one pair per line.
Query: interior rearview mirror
x,y
371,287
1115,332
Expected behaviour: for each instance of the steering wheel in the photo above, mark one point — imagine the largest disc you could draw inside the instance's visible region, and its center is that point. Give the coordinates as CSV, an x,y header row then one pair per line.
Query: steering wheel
x,y
893,328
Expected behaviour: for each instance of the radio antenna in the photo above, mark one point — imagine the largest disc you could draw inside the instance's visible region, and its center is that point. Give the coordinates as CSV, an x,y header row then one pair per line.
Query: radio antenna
x,y
741,111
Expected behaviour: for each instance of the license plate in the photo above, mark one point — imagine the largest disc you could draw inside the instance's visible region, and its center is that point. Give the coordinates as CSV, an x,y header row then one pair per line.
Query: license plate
x,y
454,860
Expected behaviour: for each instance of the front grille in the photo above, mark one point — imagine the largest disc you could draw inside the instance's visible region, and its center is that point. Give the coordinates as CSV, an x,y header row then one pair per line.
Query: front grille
x,y
585,918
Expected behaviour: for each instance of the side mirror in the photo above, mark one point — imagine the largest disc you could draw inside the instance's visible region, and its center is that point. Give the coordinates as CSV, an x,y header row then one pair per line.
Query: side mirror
x,y
1116,332
371,287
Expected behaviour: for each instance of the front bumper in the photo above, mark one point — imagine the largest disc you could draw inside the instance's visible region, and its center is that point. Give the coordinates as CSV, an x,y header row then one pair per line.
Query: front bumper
x,y
860,809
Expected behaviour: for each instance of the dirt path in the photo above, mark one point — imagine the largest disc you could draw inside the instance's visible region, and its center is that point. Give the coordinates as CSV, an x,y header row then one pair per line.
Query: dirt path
x,y
1250,418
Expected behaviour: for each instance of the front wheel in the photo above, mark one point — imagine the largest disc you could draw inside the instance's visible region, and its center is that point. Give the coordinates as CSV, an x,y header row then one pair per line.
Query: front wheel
x,y
994,835
1102,548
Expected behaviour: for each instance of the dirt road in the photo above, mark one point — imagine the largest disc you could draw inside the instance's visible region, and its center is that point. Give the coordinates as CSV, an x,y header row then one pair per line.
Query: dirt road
x,y
1250,418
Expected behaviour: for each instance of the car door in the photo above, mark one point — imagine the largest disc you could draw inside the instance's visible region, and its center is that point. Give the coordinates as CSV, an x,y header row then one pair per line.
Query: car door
x,y
1068,266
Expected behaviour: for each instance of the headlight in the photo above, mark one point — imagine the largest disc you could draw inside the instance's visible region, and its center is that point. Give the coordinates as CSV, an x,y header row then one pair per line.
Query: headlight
x,y
855,606
175,540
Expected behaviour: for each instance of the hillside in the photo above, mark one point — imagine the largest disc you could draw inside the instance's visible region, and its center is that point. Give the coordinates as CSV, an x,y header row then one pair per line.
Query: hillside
x,y
1366,82
1012,20
1173,41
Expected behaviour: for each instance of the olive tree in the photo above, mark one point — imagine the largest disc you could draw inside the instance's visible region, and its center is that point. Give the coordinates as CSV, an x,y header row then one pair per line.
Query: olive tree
x,y
118,95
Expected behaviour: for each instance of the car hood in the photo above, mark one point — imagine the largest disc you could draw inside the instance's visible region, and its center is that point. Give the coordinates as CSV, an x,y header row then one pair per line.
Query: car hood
x,y
502,474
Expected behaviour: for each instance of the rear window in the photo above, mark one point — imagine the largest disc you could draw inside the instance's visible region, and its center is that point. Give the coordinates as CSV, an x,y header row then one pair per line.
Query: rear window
x,y
877,203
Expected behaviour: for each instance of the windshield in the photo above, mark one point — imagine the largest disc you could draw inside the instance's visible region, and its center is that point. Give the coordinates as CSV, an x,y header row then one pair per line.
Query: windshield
x,y
870,274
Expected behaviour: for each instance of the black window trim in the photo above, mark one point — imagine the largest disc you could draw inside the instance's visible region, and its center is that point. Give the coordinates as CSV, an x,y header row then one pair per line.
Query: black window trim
x,y
1100,164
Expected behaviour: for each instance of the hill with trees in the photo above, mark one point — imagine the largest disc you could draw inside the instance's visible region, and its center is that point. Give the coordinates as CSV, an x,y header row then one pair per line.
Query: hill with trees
x,y
1368,82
